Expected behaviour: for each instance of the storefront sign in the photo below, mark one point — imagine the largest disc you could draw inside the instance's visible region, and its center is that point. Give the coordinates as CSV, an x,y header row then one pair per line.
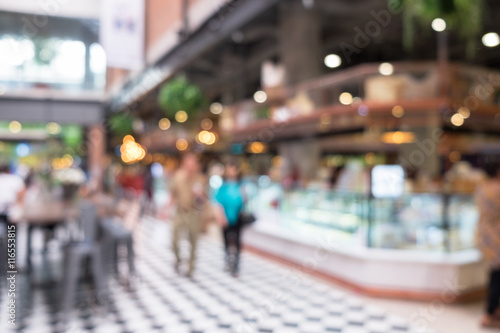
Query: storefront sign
x,y
122,33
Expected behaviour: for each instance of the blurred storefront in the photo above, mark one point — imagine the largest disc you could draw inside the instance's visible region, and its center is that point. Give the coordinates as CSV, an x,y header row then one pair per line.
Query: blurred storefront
x,y
52,81
311,122
307,98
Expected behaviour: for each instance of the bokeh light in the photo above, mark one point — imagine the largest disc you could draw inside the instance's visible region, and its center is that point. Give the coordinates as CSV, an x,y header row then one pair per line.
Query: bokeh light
x,y
22,150
457,120
345,98
207,124
181,116
260,96
464,112
438,25
491,39
398,111
206,137
53,128
164,124
216,108
386,68
15,127
257,147
181,144
333,61
128,138
131,151
363,110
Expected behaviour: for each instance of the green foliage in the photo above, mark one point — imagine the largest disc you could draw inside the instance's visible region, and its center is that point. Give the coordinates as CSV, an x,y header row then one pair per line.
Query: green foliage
x,y
180,94
262,112
121,124
72,135
463,16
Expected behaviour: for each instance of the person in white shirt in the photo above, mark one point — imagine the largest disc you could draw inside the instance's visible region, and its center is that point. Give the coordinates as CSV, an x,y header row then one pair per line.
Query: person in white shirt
x,y
11,191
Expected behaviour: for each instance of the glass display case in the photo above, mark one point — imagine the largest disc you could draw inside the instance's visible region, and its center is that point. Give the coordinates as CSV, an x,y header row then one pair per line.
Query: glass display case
x,y
440,222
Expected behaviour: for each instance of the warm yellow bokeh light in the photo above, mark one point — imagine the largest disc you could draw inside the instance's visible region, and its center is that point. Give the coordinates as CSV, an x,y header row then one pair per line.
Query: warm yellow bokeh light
x,y
457,119
207,124
216,108
53,128
15,126
212,139
345,98
181,116
206,137
257,147
464,112
277,161
131,151
181,144
64,162
164,124
128,138
203,136
68,157
398,111
398,137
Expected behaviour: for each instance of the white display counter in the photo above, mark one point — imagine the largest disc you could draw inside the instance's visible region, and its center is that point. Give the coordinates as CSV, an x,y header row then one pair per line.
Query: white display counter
x,y
408,274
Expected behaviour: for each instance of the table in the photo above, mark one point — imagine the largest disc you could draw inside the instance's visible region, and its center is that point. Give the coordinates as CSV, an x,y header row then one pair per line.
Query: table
x,y
42,215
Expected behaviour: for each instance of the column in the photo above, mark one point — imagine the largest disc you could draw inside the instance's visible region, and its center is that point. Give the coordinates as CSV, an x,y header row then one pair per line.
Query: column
x,y
300,41
422,156
301,55
96,153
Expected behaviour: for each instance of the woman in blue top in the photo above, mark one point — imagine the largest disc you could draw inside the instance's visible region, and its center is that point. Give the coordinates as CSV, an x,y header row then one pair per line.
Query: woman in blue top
x,y
230,198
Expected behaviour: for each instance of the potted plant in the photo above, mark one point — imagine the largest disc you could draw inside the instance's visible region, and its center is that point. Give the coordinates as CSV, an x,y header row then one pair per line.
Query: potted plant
x,y
70,180
180,95
463,16
121,124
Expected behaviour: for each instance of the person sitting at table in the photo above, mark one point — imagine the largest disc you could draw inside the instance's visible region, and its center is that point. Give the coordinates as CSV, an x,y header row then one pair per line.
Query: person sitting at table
x,y
11,192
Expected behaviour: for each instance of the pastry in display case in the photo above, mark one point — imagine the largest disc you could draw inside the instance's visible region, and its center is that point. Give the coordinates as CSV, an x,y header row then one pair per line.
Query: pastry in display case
x,y
463,178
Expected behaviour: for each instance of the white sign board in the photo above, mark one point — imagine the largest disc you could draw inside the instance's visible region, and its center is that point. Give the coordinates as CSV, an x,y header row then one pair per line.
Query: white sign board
x,y
388,181
122,33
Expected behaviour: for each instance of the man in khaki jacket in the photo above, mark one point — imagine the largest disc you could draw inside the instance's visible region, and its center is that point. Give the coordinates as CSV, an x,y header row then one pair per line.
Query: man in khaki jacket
x,y
189,193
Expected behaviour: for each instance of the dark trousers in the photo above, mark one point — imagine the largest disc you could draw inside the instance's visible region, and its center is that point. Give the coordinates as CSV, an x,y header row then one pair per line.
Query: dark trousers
x,y
493,291
232,238
4,220
4,223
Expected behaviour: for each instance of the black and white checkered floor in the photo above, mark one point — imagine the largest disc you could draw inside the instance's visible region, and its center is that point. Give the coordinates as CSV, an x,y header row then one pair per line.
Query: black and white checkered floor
x,y
266,297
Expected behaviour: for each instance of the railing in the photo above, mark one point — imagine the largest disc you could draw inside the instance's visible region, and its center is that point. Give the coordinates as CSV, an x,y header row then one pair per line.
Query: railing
x,y
409,81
